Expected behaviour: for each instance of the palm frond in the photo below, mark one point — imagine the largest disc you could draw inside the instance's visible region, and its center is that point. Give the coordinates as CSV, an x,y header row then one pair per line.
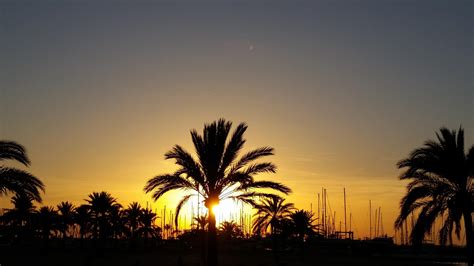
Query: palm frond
x,y
252,156
164,183
180,205
233,147
266,185
10,150
19,181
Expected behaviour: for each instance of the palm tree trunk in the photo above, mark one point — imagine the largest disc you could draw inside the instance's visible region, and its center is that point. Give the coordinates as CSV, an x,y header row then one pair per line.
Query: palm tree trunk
x,y
212,240
469,236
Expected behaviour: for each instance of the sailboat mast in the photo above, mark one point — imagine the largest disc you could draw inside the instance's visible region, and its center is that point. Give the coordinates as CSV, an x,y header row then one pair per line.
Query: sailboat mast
x,y
345,218
370,219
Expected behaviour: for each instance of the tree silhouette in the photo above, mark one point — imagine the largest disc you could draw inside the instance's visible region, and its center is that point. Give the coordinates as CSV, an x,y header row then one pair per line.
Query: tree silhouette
x,y
271,212
83,218
132,218
102,207
230,230
65,217
201,222
216,174
148,229
46,219
16,180
302,224
19,220
441,185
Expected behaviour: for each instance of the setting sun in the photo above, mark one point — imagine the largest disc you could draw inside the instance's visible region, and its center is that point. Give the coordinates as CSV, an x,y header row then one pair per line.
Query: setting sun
x,y
227,210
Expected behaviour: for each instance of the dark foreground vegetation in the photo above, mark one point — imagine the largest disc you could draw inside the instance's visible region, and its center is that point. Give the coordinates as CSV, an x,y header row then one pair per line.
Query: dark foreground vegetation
x,y
238,253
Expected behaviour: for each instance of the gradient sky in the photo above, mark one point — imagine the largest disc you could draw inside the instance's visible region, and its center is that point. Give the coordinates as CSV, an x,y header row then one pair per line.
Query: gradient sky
x,y
99,91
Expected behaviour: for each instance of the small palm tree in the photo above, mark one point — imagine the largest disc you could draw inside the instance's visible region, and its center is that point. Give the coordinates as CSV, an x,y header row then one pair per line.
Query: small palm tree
x,y
19,220
302,223
83,218
46,221
201,222
65,217
230,230
16,180
441,185
271,212
216,174
101,207
148,228
132,218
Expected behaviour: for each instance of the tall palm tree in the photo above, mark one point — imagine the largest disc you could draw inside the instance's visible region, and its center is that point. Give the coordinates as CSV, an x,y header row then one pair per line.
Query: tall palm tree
x,y
441,185
16,180
216,173
271,212
65,217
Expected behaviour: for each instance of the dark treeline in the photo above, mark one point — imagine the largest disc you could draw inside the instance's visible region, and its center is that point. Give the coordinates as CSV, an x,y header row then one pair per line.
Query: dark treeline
x,y
103,222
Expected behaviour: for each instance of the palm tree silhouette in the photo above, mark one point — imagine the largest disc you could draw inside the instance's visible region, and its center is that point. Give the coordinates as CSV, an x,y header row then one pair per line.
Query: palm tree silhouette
x,y
201,222
19,220
441,177
148,229
132,217
65,217
46,221
16,180
302,223
216,174
271,212
102,206
83,218
230,230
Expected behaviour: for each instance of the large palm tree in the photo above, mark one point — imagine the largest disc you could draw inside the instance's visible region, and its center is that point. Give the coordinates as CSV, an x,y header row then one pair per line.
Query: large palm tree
x,y
16,180
441,178
216,174
271,212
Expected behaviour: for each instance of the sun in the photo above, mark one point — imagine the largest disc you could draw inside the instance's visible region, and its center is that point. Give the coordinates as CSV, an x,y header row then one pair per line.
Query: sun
x,y
226,209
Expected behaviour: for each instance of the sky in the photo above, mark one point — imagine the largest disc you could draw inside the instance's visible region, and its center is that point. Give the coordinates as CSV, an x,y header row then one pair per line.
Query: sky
x,y
98,91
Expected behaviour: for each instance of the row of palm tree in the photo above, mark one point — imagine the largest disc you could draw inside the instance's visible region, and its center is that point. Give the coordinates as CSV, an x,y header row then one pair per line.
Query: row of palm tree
x,y
101,217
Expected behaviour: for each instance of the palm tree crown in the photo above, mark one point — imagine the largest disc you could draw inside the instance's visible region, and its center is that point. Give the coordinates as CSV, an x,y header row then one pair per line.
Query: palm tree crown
x,y
216,174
